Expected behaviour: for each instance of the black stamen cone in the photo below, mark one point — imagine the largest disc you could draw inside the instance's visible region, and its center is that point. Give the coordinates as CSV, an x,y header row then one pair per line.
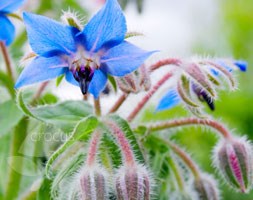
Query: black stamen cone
x,y
202,95
208,100
84,76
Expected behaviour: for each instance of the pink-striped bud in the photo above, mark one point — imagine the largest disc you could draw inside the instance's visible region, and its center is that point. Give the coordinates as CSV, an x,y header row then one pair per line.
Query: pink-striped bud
x,y
206,188
135,82
133,183
234,159
94,184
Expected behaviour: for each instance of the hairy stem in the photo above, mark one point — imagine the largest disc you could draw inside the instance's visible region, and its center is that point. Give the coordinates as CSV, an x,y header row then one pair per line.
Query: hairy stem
x,y
97,106
93,147
6,60
192,121
145,99
118,103
125,147
15,176
161,63
39,92
184,156
177,174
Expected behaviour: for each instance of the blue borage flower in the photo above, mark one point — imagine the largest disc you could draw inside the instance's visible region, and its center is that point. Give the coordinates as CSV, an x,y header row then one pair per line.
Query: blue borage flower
x,y
7,29
85,57
172,97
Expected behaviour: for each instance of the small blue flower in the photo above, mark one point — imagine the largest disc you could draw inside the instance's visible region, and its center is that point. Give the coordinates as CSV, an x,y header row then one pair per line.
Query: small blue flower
x,y
85,57
7,30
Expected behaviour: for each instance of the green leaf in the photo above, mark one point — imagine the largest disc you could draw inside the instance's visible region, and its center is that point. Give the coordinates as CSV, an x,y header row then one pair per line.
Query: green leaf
x,y
48,98
10,115
109,152
59,80
124,126
65,174
113,83
64,115
82,132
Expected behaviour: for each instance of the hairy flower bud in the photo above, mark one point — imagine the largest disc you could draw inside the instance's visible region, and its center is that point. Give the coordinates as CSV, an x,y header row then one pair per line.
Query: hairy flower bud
x,y
94,183
135,82
206,188
133,183
71,19
234,159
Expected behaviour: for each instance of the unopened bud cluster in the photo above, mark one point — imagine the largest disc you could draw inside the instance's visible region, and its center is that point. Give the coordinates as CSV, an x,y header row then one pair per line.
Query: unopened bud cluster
x,y
135,82
200,80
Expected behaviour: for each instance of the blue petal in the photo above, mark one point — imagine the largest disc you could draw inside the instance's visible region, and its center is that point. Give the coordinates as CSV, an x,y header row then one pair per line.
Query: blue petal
x,y
97,83
48,37
70,78
41,69
106,28
123,59
168,101
241,64
8,6
7,31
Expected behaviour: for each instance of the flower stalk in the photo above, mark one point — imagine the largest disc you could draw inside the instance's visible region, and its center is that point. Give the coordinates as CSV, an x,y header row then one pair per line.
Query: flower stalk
x,y
118,103
185,157
6,60
145,99
161,63
97,106
192,121
93,148
125,147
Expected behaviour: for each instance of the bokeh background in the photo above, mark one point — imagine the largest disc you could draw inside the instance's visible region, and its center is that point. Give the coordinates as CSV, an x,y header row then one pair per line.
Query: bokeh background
x,y
182,28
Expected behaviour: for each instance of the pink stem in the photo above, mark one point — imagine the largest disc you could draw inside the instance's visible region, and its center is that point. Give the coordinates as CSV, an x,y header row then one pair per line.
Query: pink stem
x,y
168,61
123,143
118,103
191,121
142,103
6,59
94,143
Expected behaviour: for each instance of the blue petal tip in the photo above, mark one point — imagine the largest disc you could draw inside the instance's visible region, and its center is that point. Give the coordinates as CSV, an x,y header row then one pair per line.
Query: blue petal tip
x,y
241,64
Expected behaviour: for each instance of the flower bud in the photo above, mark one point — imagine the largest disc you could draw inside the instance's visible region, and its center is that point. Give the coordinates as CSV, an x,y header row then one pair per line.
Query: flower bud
x,y
206,188
71,19
196,73
93,183
234,159
133,183
135,82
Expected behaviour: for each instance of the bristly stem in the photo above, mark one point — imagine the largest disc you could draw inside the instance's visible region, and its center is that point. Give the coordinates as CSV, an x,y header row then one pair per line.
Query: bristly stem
x,y
118,103
184,156
178,176
145,99
192,121
15,175
39,92
161,63
97,106
93,147
7,60
125,147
